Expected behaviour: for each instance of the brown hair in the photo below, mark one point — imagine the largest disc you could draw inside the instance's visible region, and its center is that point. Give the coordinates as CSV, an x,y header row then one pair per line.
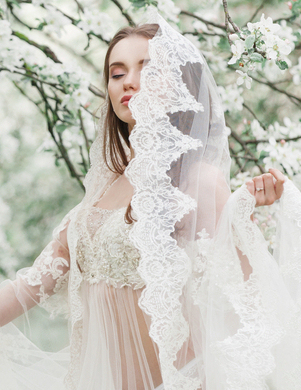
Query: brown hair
x,y
115,130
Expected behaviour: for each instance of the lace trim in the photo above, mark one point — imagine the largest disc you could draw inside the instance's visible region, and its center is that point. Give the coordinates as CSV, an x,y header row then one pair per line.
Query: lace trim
x,y
254,301
164,266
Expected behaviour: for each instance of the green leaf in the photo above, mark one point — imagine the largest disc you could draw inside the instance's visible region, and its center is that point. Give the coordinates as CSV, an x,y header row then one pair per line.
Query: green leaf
x,y
256,57
296,9
143,3
41,26
223,44
61,127
249,42
282,65
14,2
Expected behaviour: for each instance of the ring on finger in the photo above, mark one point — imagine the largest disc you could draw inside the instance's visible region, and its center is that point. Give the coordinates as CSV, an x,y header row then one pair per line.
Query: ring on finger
x,y
259,189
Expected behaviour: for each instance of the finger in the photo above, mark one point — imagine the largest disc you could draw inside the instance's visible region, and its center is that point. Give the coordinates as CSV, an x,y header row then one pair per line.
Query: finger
x,y
269,188
259,190
280,180
251,187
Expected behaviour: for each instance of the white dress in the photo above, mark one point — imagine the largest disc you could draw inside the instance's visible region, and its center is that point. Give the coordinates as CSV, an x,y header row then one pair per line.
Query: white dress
x,y
113,348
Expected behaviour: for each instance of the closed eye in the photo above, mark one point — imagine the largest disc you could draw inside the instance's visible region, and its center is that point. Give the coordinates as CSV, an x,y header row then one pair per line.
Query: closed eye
x,y
117,76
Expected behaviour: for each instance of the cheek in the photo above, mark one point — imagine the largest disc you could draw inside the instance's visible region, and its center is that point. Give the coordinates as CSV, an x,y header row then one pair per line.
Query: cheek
x,y
112,94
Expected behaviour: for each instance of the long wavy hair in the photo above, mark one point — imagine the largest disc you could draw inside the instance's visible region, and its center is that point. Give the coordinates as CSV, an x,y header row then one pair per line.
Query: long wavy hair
x,y
115,130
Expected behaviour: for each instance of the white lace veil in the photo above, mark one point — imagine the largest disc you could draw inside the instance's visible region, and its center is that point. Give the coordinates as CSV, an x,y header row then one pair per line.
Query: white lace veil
x,y
179,173
213,291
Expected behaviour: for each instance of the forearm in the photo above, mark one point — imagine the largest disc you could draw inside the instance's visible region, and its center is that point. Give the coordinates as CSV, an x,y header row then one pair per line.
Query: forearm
x,y
10,305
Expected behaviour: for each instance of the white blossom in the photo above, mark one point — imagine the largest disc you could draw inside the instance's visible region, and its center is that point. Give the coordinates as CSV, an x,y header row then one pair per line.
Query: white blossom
x,y
96,22
199,26
277,41
257,130
37,3
3,5
276,47
10,54
216,62
244,78
286,33
282,155
240,179
48,144
169,10
55,20
264,26
237,49
5,31
272,71
232,99
194,40
296,72
234,37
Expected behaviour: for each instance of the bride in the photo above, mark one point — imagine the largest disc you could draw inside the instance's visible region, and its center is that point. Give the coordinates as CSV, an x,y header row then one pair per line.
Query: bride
x,y
166,281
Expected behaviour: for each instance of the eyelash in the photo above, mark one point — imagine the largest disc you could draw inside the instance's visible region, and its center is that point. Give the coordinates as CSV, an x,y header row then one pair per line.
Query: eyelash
x,y
117,76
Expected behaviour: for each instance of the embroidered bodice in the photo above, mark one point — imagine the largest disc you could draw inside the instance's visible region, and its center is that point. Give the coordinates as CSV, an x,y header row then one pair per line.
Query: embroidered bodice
x,y
104,250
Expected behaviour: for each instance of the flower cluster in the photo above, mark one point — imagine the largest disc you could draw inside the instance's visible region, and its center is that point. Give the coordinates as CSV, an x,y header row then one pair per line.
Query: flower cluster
x,y
96,22
296,72
277,149
259,42
55,21
231,98
10,57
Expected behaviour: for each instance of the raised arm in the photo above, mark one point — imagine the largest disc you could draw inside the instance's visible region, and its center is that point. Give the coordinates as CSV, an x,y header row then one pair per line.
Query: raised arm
x,y
34,285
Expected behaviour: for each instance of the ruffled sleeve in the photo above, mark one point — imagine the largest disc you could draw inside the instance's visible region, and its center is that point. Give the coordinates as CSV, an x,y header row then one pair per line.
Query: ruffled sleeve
x,y
44,283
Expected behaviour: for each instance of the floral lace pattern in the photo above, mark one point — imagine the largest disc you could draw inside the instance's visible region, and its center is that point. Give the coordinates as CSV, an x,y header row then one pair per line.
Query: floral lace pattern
x,y
104,251
254,301
156,202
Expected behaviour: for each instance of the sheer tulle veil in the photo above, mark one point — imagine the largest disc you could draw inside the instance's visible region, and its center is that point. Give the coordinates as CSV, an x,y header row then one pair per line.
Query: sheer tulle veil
x,y
214,293
224,313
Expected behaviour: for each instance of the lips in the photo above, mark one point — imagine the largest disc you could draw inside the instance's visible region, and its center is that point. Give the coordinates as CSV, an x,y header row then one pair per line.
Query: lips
x,y
125,99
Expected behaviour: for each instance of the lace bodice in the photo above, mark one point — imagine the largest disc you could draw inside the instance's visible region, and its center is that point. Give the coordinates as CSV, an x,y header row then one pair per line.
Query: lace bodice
x,y
104,250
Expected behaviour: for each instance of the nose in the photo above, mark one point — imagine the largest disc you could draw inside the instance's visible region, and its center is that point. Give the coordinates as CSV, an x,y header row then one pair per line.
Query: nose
x,y
132,81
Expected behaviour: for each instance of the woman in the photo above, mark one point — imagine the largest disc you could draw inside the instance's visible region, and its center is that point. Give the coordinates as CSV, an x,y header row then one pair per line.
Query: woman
x,y
158,297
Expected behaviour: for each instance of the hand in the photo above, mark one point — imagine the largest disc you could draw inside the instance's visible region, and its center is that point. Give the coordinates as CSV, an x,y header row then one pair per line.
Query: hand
x,y
267,187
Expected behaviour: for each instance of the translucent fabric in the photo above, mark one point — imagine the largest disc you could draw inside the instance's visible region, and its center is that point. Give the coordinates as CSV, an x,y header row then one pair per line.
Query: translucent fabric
x,y
187,297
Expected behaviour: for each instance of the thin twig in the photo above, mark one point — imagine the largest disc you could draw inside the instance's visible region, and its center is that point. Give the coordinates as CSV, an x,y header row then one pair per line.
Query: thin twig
x,y
83,158
82,126
257,10
234,155
60,144
45,49
28,97
196,33
259,141
254,115
293,98
96,91
228,19
247,150
33,78
207,22
80,7
124,13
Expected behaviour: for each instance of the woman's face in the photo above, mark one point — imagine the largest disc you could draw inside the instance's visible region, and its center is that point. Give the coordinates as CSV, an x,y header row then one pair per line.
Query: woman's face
x,y
125,64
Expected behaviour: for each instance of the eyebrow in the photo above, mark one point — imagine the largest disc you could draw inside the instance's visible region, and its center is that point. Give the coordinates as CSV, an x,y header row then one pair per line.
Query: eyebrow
x,y
122,64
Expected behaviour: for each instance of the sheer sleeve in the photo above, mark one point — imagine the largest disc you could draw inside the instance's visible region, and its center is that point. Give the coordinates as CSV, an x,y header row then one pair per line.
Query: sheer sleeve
x,y
44,283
